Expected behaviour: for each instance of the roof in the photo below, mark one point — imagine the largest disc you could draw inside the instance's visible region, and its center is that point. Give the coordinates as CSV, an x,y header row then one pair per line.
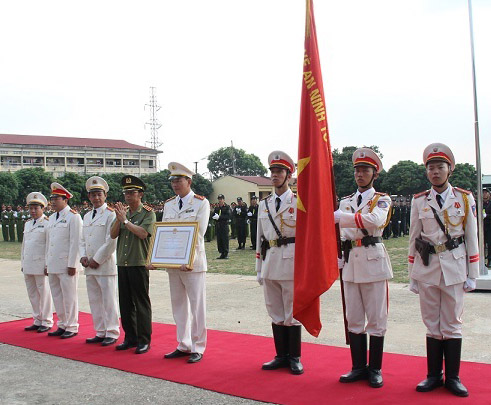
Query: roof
x,y
68,142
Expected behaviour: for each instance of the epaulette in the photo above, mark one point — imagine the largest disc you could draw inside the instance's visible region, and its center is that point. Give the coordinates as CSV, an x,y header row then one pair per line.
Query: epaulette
x,y
423,193
46,217
147,208
381,194
73,211
110,209
199,197
170,199
30,219
348,196
462,190
262,199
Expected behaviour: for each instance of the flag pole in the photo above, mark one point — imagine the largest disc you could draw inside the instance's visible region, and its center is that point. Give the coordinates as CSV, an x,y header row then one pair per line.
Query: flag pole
x,y
482,269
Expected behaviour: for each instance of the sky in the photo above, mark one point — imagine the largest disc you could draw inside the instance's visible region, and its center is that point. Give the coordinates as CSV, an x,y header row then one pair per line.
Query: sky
x,y
397,74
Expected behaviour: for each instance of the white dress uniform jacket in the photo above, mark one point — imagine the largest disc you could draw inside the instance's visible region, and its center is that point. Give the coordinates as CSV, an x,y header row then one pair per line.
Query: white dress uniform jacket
x,y
366,264
279,261
188,288
33,263
453,265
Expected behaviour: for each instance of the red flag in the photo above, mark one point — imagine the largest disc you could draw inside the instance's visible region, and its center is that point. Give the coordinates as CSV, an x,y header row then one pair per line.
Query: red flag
x,y
316,253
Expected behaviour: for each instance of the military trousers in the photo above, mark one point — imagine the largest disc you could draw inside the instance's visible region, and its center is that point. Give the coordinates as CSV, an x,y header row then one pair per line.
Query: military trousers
x,y
278,296
40,297
241,231
64,292
103,301
134,303
253,233
222,239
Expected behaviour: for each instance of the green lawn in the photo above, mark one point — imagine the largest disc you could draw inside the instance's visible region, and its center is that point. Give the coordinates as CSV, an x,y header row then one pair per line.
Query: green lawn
x,y
243,261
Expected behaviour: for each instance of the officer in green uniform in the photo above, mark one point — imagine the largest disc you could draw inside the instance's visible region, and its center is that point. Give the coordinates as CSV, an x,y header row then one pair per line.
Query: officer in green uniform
x,y
22,217
11,223
5,225
133,227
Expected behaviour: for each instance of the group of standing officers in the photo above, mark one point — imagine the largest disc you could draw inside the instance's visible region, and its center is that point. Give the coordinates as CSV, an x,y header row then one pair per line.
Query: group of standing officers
x,y
13,222
443,264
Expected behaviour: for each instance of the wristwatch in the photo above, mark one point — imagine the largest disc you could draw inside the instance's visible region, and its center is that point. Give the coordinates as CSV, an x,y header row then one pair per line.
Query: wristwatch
x,y
125,221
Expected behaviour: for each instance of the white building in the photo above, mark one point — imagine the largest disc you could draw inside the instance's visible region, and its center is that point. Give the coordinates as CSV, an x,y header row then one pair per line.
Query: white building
x,y
80,155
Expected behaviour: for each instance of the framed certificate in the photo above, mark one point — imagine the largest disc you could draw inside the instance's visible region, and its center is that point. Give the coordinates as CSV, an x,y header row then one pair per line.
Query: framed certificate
x,y
173,244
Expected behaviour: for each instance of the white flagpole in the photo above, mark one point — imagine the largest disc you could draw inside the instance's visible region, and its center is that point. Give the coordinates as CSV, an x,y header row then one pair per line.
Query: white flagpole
x,y
482,269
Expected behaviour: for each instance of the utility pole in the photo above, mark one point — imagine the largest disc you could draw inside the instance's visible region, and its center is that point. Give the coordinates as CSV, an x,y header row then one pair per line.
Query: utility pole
x,y
233,157
153,122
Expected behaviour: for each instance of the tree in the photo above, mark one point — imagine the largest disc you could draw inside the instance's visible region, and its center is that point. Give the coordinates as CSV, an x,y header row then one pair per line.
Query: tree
x,y
158,186
222,162
75,184
9,189
405,178
33,179
464,176
202,186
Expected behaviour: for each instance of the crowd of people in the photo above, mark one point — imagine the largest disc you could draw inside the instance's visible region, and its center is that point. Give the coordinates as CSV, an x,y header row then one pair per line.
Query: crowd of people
x,y
113,242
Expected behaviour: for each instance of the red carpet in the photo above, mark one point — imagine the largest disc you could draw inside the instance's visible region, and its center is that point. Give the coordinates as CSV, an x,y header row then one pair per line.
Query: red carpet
x,y
231,365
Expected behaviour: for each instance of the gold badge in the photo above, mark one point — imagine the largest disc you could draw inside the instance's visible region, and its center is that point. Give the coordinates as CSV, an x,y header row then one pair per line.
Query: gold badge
x,y
128,180
94,181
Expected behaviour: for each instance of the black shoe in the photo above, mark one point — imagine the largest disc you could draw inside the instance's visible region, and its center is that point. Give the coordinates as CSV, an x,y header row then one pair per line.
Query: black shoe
x,y
68,335
32,327
375,379
95,339
142,348
434,360
430,383
451,351
57,332
253,248
454,385
356,374
195,357
108,341
175,354
43,329
295,365
276,363
125,345
358,350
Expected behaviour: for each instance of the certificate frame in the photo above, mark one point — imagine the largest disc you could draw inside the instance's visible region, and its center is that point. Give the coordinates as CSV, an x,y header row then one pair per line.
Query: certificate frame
x,y
184,236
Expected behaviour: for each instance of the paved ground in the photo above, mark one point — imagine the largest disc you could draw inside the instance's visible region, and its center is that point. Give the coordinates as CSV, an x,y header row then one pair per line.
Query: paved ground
x,y
235,303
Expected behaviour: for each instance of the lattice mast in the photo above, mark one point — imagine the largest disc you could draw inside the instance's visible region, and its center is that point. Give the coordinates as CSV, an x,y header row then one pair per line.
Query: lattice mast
x,y
153,122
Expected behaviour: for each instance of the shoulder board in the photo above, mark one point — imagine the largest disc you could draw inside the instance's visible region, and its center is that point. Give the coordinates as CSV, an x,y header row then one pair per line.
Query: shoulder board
x,y
147,208
462,190
423,193
295,195
266,197
29,220
199,197
46,217
170,199
381,194
73,211
110,209
348,196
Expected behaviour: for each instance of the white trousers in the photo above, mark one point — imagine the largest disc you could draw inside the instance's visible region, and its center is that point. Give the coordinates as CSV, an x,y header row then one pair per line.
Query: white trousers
x,y
278,296
103,300
441,309
188,297
40,297
366,301
64,292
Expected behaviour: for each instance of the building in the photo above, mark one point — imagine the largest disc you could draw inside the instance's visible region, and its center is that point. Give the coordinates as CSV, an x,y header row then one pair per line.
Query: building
x,y
80,155
243,186
486,180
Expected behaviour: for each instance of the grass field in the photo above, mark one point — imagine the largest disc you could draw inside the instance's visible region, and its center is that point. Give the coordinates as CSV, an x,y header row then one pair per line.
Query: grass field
x,y
243,261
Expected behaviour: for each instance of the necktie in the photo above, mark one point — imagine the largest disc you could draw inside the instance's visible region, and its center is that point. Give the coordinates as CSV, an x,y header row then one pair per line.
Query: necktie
x,y
34,223
93,213
180,204
439,200
278,203
358,201
57,215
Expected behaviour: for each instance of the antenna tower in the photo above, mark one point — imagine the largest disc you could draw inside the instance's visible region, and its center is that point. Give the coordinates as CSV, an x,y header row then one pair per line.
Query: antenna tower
x,y
153,122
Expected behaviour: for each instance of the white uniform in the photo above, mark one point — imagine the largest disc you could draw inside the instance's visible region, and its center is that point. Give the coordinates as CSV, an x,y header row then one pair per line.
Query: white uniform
x,y
188,288
62,251
366,273
96,244
277,269
441,283
33,262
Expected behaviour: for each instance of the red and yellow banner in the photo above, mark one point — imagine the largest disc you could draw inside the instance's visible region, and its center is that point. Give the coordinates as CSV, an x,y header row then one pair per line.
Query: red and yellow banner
x,y
315,240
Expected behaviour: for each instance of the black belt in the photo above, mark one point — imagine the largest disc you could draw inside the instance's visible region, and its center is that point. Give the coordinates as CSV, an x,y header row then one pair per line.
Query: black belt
x,y
279,242
449,245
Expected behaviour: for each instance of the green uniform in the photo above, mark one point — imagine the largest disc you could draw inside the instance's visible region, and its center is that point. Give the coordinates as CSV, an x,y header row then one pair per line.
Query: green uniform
x,y
22,217
133,278
5,225
11,225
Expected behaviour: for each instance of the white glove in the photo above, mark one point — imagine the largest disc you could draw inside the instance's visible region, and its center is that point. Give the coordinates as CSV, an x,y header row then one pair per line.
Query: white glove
x,y
340,263
248,221
337,216
469,284
238,210
259,279
249,214
216,216
413,286
484,215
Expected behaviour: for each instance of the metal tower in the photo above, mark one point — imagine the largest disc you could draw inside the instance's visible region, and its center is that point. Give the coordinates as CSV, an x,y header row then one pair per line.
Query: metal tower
x,y
153,122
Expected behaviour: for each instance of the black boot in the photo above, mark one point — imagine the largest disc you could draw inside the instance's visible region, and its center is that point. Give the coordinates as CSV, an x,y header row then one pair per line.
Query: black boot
x,y
434,361
375,379
295,343
358,347
280,334
452,349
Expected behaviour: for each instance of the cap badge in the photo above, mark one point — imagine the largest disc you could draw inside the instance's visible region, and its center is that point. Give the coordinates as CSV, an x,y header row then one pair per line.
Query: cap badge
x,y
94,181
173,167
435,149
277,157
362,154
128,180
35,196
